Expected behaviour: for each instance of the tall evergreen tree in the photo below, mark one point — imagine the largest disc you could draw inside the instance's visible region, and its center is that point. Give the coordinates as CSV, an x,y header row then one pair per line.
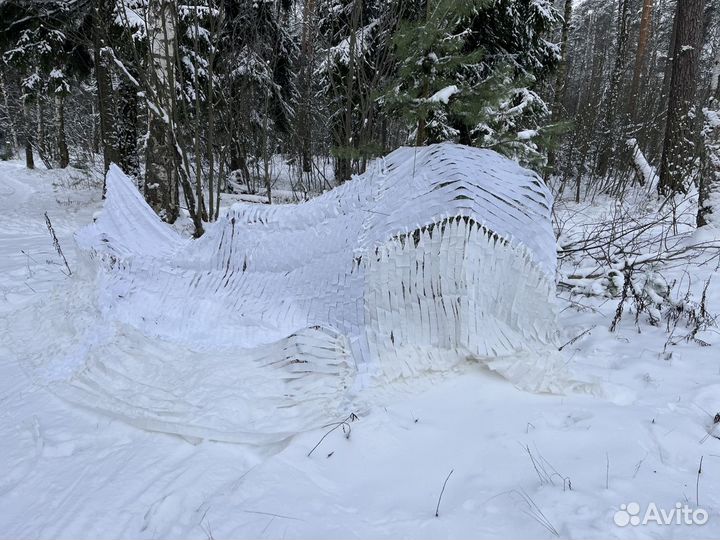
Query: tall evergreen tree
x,y
356,63
258,77
468,72
41,44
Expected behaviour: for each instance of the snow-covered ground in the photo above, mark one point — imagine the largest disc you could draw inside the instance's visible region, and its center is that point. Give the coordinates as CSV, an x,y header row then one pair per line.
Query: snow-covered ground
x,y
523,465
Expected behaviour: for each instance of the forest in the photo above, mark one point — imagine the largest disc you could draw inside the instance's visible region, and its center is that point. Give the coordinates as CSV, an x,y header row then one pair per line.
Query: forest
x,y
198,99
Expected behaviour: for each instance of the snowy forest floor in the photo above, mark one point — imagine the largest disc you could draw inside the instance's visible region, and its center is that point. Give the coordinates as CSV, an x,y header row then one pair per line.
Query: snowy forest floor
x,y
523,465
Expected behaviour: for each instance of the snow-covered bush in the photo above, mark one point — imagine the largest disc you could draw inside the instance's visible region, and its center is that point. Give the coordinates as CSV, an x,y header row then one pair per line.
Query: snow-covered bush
x,y
641,255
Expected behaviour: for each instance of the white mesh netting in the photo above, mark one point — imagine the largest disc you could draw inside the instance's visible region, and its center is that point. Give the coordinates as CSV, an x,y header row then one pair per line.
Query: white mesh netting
x,y
273,320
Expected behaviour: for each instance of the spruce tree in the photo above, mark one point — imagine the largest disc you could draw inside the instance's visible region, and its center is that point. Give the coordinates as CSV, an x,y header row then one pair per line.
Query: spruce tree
x,y
356,62
42,45
468,70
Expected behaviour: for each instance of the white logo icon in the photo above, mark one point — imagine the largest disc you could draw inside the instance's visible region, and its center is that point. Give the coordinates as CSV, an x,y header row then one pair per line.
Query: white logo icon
x,y
627,515
630,514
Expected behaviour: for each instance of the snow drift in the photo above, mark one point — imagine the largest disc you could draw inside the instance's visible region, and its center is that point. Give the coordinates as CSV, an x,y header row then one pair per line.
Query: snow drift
x,y
279,315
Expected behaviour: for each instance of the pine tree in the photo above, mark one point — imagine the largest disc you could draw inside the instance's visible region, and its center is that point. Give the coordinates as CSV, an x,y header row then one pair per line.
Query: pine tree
x,y
641,54
40,42
678,156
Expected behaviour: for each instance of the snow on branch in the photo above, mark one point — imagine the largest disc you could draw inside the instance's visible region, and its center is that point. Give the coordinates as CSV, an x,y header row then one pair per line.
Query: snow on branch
x,y
645,173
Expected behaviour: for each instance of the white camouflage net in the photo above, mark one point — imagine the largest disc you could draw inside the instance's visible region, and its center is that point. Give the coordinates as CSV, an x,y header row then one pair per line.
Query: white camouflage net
x,y
272,321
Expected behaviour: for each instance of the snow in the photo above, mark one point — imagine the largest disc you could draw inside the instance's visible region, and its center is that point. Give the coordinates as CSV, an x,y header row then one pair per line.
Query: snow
x,y
340,53
712,118
444,95
647,173
527,134
31,81
72,472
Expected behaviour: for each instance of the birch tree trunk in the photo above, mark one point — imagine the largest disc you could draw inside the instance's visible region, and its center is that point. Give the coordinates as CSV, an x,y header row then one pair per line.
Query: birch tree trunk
x,y
161,182
709,188
6,104
709,185
715,75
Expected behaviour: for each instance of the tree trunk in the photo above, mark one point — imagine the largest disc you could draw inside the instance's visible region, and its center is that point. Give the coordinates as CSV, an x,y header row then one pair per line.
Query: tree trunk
x,y
560,80
29,160
221,183
709,188
307,50
344,161
657,134
210,143
28,135
104,88
677,155
63,154
641,54
105,110
609,126
127,148
40,124
161,181
715,75
95,135
199,196
421,134
6,102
